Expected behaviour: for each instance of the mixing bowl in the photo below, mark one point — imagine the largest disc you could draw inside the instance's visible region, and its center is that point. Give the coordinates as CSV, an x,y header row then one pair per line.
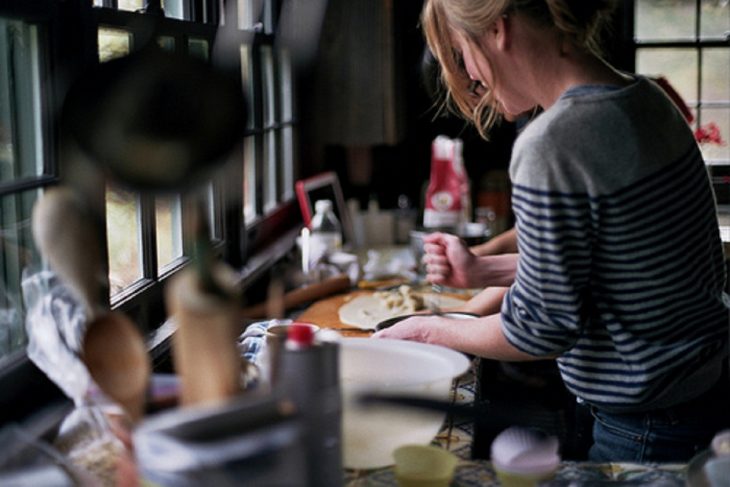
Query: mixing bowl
x,y
381,366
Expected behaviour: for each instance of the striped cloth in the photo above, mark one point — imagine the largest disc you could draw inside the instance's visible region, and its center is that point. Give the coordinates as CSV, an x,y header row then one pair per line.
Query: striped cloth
x,y
621,271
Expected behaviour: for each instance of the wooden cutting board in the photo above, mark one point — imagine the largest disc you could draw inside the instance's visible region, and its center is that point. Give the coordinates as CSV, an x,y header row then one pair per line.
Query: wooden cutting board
x,y
325,314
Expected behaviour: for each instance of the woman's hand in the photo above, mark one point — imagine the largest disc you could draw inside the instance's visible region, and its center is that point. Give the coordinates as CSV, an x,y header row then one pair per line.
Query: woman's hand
x,y
416,328
448,260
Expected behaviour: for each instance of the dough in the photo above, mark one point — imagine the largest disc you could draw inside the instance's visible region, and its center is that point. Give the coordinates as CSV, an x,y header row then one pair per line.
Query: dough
x,y
366,311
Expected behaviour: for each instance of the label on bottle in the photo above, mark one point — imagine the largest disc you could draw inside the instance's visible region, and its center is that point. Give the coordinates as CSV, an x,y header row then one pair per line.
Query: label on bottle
x,y
442,210
323,243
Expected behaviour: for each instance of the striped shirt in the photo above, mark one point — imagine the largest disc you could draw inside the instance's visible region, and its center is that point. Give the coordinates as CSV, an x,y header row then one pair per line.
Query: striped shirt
x,y
621,270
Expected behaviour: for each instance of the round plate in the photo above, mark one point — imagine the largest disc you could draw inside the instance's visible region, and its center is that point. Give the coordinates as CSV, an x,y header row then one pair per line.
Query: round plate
x,y
453,315
458,363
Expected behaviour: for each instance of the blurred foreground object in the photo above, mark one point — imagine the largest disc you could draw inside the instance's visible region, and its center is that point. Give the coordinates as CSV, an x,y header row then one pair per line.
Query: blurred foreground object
x,y
156,120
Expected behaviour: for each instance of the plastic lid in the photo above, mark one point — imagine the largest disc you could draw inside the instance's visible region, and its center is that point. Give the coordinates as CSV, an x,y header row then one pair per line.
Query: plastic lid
x,y
524,451
300,335
721,443
322,206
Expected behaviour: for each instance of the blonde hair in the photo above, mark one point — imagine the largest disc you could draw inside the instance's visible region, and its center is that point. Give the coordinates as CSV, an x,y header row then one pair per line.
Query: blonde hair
x,y
579,21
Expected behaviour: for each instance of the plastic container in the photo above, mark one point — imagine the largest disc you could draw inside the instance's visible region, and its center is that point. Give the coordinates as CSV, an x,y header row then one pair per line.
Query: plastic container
x,y
255,440
523,457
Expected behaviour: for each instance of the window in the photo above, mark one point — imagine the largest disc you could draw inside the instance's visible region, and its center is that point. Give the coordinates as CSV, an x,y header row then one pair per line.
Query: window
x,y
269,150
146,234
688,42
23,170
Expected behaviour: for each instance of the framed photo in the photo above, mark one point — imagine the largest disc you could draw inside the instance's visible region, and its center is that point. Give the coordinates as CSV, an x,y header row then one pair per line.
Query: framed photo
x,y
324,186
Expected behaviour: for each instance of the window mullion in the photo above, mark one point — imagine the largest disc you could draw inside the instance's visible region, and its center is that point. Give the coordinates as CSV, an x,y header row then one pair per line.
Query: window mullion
x,y
148,236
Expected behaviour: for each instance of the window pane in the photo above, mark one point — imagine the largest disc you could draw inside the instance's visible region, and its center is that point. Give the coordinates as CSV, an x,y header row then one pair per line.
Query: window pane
x,y
713,152
249,178
18,259
270,173
198,48
215,232
267,81
113,43
267,16
124,238
679,66
665,19
21,144
249,13
716,75
130,4
286,87
168,217
287,156
715,19
246,77
173,9
167,43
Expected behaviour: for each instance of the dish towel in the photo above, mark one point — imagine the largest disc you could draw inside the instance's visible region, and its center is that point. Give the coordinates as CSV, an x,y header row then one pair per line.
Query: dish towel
x,y
252,341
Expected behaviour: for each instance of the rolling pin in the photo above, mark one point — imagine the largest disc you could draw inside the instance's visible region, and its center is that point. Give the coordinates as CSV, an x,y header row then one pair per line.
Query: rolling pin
x,y
295,297
204,348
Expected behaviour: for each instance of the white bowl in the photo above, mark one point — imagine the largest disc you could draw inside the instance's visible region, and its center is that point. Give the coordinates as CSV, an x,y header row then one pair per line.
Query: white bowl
x,y
371,433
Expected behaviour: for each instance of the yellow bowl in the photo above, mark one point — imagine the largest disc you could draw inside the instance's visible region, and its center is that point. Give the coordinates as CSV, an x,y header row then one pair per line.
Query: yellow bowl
x,y
424,466
512,479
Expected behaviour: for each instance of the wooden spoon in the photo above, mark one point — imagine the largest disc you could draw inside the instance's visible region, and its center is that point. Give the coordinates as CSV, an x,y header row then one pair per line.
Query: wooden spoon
x,y
117,359
113,348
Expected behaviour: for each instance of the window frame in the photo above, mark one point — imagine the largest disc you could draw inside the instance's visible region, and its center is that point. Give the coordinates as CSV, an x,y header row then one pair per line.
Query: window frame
x,y
70,30
142,299
698,44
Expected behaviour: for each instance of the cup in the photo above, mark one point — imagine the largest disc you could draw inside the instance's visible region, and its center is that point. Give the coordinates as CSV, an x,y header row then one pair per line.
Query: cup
x,y
275,338
424,466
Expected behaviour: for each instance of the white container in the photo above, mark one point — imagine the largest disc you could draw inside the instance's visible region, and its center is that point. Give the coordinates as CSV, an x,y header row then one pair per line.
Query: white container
x,y
523,458
371,433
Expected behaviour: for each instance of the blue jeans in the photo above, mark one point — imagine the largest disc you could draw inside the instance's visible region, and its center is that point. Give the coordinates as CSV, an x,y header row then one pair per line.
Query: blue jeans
x,y
675,434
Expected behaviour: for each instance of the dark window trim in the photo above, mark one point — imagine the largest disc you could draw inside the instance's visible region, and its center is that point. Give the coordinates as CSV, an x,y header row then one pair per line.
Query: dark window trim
x,y
72,28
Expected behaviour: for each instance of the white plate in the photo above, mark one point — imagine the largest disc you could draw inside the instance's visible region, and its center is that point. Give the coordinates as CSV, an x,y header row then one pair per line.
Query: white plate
x,y
452,363
371,433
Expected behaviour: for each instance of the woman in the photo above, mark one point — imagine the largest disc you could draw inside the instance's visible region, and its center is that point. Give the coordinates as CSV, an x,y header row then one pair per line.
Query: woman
x,y
620,273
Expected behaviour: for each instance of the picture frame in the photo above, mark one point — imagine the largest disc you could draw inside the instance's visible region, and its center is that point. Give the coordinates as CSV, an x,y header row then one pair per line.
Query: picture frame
x,y
325,185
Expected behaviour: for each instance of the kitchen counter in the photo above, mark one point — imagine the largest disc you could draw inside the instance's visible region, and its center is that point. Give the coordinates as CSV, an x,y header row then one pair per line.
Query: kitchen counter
x,y
456,436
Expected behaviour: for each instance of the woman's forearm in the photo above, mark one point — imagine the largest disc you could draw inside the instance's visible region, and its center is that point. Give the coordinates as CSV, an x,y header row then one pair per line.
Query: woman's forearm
x,y
482,337
504,243
487,302
495,270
